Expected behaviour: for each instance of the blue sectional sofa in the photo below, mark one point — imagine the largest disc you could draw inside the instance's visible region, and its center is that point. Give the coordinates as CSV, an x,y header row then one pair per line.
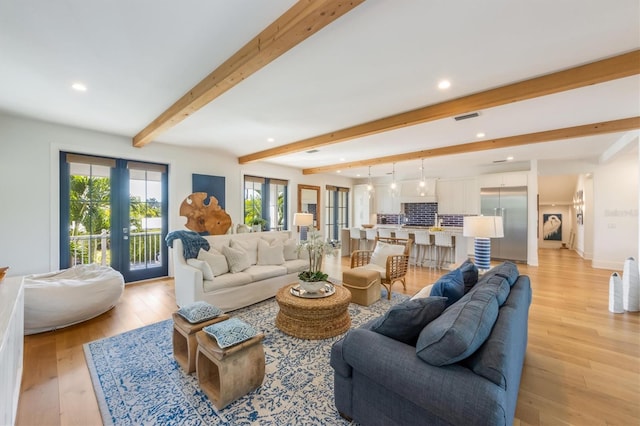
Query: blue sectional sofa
x,y
464,369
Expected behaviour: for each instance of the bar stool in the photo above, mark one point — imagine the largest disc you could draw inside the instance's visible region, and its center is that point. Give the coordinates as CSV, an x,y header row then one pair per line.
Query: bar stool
x,y
354,234
402,233
370,237
424,244
384,233
445,245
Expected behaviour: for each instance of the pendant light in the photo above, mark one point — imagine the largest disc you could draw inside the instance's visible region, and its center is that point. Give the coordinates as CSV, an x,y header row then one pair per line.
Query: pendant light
x,y
422,185
394,186
370,189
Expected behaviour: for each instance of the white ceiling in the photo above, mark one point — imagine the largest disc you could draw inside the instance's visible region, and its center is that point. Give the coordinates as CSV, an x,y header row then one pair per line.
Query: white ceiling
x,y
382,58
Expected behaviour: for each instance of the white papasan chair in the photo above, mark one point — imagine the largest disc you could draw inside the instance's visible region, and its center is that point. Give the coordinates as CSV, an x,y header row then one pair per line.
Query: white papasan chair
x,y
62,298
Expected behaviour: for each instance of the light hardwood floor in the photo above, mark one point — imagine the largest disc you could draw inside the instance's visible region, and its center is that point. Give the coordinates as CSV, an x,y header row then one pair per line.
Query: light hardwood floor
x,y
582,365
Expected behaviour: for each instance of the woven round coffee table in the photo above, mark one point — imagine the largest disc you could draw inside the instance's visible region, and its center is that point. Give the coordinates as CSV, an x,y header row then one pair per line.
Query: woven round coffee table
x,y
313,319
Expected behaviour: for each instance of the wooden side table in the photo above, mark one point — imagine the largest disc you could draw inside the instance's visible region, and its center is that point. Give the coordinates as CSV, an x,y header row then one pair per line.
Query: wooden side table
x,y
184,340
225,375
313,318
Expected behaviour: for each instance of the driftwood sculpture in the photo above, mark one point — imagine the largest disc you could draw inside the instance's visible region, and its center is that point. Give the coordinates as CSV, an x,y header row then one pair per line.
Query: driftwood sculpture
x,y
203,217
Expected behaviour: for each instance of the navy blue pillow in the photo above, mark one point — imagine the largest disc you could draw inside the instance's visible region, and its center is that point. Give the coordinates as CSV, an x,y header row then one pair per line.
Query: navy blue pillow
x,y
469,275
405,321
450,285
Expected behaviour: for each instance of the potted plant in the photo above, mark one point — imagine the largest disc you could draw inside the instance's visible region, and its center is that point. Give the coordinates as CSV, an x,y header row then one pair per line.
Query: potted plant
x,y
257,223
313,279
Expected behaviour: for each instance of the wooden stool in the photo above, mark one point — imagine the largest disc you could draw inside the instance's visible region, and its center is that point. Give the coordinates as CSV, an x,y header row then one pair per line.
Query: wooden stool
x,y
364,285
225,375
184,340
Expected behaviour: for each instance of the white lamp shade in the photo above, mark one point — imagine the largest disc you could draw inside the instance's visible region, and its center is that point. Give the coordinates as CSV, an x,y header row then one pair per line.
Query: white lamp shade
x,y
483,227
303,219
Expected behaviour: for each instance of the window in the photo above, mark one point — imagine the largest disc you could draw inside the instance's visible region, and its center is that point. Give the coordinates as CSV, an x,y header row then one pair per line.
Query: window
x,y
265,202
337,211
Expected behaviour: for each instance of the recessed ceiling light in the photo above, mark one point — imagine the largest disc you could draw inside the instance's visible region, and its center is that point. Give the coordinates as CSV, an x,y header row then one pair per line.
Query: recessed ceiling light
x,y
79,87
444,84
358,175
342,159
480,135
270,140
339,171
509,158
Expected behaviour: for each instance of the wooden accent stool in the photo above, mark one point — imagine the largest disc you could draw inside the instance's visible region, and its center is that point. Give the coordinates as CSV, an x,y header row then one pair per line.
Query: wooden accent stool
x,y
225,375
184,340
364,285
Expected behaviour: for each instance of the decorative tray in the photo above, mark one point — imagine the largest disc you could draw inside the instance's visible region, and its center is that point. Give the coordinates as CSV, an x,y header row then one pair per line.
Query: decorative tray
x,y
327,291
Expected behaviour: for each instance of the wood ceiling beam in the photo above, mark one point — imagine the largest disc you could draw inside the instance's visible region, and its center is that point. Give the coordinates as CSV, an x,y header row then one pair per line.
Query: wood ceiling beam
x,y
620,66
622,125
301,21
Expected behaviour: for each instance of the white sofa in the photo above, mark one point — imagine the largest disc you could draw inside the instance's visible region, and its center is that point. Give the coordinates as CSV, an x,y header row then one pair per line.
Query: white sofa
x,y
230,291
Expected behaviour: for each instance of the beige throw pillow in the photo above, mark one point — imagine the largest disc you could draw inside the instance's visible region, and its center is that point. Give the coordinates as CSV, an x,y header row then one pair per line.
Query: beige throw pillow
x,y
236,258
203,266
384,250
216,261
290,249
270,254
249,246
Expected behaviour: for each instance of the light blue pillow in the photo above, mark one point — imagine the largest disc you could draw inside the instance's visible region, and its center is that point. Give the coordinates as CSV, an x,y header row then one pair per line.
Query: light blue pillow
x,y
199,311
405,321
230,332
450,285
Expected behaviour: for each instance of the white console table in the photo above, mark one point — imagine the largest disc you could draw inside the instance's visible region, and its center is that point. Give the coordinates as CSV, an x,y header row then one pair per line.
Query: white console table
x,y
11,347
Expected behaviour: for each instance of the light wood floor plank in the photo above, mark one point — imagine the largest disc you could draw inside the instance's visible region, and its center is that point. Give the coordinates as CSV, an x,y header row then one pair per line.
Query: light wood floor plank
x,y
582,365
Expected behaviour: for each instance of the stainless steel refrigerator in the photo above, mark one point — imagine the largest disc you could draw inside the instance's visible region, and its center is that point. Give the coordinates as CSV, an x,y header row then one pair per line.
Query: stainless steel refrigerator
x,y
511,204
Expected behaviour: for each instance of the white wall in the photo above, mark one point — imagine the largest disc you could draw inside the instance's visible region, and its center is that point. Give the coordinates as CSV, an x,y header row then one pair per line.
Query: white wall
x,y
29,183
615,212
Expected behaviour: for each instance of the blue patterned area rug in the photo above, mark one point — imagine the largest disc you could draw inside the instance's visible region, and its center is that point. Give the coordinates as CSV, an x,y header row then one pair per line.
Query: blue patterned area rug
x,y
137,381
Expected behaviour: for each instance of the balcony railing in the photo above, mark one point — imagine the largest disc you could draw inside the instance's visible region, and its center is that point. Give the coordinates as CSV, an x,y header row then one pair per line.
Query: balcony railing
x,y
144,249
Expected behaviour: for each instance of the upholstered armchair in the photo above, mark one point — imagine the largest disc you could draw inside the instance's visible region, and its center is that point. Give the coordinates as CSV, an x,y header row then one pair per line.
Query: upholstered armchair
x,y
389,257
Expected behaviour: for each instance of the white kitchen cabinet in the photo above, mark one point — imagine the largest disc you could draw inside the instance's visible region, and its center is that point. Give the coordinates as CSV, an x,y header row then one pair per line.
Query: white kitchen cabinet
x,y
385,201
458,196
503,179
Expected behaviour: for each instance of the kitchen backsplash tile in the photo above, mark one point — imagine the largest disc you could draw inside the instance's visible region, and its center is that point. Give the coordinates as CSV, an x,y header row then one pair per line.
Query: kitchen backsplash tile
x,y
420,214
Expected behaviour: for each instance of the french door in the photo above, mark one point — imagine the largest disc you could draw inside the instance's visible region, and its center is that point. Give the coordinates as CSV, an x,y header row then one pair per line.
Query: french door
x,y
113,212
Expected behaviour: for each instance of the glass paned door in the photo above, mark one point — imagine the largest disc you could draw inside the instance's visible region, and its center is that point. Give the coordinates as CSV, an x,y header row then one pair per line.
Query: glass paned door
x,y
147,221
113,212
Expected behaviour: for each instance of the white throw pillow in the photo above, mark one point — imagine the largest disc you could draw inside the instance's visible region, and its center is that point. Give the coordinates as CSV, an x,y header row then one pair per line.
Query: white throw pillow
x,y
249,246
216,260
384,250
236,258
425,292
290,249
207,273
270,254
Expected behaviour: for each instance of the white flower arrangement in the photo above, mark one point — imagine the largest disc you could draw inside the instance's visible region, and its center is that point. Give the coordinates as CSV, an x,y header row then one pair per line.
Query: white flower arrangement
x,y
316,249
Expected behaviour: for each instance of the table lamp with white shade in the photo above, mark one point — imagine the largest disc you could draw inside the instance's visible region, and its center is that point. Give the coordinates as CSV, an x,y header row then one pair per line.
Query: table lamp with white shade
x,y
303,220
483,228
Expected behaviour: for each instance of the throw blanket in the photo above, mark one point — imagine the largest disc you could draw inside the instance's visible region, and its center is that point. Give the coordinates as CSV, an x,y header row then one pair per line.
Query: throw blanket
x,y
191,241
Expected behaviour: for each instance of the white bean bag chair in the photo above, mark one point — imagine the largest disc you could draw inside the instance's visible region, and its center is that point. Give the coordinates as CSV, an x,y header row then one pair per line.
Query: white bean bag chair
x,y
63,298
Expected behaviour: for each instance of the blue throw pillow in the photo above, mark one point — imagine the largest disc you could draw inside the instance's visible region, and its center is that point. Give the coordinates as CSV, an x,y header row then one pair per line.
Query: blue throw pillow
x,y
450,285
199,311
405,321
507,270
460,330
469,274
230,332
